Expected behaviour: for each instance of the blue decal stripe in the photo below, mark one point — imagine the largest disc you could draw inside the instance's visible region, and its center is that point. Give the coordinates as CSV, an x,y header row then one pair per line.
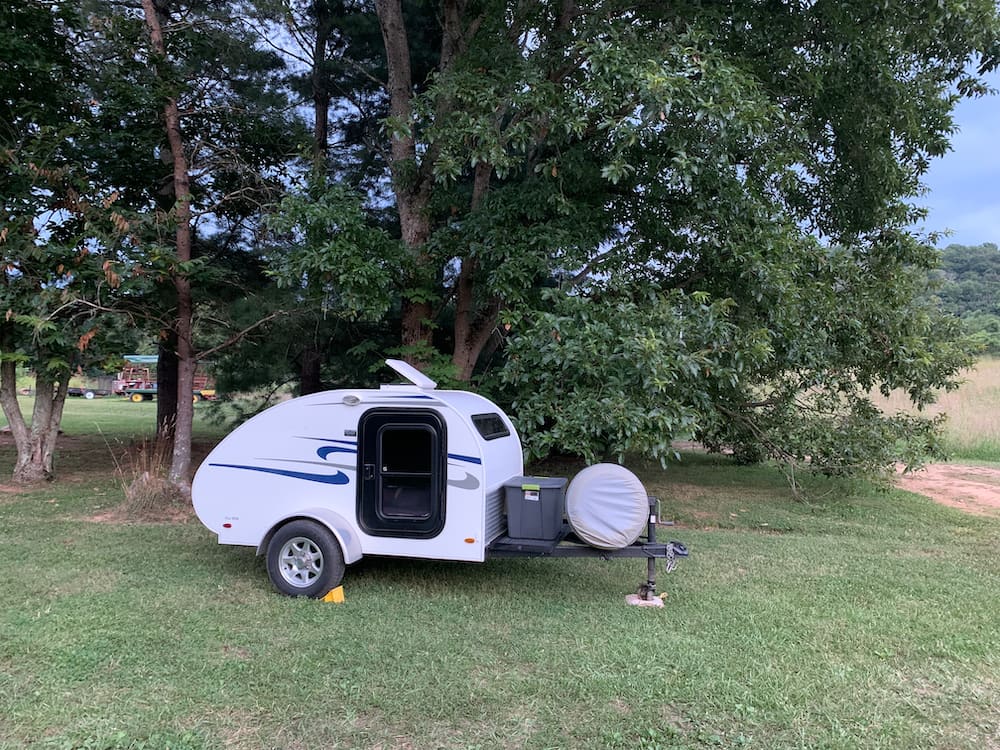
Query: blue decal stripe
x,y
467,459
338,478
328,449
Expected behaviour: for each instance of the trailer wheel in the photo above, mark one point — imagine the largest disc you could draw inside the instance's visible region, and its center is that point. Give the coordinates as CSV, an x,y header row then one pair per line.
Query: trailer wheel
x,y
304,559
136,398
88,395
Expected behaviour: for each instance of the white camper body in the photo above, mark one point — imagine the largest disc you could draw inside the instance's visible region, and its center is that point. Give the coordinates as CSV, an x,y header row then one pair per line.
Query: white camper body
x,y
405,470
318,482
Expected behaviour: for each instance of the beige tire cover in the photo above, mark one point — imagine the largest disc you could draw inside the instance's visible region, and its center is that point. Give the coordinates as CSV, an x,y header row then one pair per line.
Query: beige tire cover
x,y
607,506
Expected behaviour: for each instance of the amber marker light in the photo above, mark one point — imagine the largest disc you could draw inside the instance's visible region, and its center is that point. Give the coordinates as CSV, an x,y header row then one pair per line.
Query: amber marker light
x,y
469,540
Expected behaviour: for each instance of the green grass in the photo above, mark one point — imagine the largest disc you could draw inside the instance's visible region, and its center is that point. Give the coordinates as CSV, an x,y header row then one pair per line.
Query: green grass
x,y
98,431
115,416
850,620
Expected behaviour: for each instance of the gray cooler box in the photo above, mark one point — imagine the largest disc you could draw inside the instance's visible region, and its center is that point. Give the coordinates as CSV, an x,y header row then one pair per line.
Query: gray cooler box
x,y
535,507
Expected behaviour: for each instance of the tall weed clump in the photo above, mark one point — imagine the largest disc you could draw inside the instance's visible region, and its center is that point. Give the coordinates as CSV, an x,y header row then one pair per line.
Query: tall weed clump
x,y
142,468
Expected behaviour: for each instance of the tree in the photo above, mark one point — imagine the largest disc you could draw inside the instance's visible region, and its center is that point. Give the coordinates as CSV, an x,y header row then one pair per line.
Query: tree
x,y
970,279
764,155
216,112
181,462
60,232
326,249
58,290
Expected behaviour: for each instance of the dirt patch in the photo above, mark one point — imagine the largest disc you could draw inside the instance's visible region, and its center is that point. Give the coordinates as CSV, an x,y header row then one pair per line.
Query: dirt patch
x,y
9,492
974,489
168,514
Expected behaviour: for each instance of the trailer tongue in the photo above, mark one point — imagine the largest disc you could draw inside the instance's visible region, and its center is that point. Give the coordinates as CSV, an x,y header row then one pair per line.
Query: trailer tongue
x,y
567,544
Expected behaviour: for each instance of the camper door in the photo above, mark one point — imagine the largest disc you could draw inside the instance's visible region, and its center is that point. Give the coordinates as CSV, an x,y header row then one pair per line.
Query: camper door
x,y
403,468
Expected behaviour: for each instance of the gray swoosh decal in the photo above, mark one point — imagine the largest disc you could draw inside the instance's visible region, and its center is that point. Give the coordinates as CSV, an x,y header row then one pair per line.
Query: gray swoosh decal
x,y
351,467
468,482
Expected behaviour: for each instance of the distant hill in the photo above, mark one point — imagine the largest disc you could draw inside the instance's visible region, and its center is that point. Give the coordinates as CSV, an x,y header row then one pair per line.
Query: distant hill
x,y
970,289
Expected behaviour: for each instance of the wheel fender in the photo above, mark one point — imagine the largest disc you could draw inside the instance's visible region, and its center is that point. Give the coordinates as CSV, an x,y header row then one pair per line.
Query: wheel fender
x,y
336,523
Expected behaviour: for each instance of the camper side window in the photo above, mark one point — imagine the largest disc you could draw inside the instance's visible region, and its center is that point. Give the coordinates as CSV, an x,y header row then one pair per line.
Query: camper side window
x,y
490,426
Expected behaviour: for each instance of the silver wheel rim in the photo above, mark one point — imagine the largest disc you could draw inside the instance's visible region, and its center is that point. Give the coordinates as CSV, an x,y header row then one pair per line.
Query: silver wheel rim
x,y
300,562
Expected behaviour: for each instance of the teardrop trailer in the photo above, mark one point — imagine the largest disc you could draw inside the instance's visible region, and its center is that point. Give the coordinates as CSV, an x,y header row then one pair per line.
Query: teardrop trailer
x,y
318,482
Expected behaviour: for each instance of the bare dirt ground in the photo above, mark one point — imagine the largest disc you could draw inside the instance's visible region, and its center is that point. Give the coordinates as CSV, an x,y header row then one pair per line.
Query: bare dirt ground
x,y
974,489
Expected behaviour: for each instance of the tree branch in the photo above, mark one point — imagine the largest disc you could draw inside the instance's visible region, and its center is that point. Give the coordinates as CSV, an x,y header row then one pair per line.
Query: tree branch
x,y
239,335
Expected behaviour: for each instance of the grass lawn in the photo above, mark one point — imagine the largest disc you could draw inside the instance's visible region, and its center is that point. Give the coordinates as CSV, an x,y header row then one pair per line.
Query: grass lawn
x,y
850,620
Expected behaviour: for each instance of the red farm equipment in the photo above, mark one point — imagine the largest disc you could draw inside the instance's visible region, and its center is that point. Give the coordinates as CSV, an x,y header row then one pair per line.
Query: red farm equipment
x,y
137,380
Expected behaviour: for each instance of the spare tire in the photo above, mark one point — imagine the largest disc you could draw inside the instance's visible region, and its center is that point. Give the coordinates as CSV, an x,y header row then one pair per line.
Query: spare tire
x,y
607,506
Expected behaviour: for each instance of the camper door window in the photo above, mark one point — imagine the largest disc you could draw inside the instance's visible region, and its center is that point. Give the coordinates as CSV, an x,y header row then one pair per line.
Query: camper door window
x,y
407,461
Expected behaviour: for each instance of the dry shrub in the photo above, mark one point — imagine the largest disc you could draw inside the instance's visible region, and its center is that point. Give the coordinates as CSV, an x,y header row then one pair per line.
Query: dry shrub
x,y
149,495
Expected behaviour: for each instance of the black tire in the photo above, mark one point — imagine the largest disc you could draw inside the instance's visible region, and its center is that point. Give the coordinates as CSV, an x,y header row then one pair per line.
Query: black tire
x,y
305,559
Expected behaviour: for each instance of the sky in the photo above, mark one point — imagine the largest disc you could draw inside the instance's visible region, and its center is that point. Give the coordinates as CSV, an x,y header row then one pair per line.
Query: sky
x,y
965,183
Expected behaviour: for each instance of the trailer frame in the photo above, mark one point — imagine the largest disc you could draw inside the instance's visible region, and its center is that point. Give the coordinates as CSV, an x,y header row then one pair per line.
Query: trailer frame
x,y
567,545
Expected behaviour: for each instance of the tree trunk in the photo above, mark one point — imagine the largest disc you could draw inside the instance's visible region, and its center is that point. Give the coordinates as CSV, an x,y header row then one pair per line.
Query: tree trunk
x,y
36,445
474,320
166,392
49,420
310,358
320,85
310,380
412,190
473,327
180,465
413,181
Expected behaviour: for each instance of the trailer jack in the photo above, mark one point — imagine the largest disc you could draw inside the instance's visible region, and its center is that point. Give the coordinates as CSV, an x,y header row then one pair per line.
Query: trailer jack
x,y
646,595
566,545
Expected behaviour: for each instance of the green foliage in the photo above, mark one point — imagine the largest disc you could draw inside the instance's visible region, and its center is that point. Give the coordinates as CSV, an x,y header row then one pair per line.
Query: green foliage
x,y
843,323
782,367
267,362
714,196
332,248
603,379
61,232
984,330
764,157
435,365
970,279
36,64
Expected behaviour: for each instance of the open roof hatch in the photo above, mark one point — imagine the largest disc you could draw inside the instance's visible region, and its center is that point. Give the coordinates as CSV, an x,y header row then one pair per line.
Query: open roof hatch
x,y
411,373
